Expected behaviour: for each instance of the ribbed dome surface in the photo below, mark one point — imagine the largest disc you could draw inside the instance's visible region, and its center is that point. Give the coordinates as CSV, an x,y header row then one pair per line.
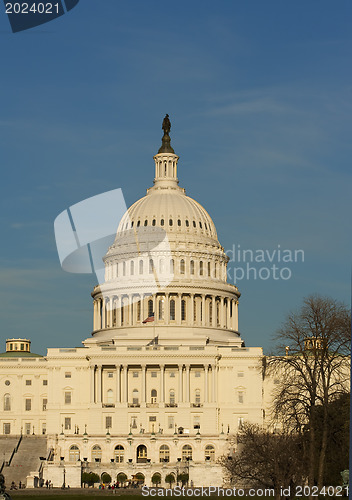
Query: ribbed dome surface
x,y
173,211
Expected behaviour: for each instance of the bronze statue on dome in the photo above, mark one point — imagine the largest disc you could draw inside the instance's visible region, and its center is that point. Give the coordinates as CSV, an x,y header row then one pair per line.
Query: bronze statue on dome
x,y
166,126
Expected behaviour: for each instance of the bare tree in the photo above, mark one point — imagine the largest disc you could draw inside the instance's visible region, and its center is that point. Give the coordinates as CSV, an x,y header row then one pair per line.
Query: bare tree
x,y
313,372
266,459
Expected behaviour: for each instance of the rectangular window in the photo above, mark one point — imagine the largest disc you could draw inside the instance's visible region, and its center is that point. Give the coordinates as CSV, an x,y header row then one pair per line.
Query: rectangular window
x,y
240,374
197,374
135,374
108,422
170,422
67,423
152,418
28,404
153,374
44,428
68,397
7,428
110,374
28,382
240,397
45,402
45,382
196,422
67,374
27,428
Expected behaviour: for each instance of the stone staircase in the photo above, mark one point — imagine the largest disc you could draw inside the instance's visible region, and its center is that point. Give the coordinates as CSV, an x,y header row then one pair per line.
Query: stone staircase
x,y
7,445
26,460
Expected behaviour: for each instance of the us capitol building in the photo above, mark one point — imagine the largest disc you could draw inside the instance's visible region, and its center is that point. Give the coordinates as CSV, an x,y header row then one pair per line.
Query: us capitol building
x,y
165,380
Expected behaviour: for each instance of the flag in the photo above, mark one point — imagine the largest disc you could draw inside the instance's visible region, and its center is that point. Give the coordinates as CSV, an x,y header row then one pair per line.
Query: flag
x,y
149,319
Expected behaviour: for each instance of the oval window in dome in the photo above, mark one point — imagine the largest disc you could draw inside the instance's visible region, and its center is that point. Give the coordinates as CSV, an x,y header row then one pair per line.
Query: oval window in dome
x,y
162,222
194,224
154,222
206,227
200,224
138,223
171,222
146,223
179,222
187,223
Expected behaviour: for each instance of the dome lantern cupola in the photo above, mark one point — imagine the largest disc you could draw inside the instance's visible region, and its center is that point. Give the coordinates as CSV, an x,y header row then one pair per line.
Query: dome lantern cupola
x,y
166,160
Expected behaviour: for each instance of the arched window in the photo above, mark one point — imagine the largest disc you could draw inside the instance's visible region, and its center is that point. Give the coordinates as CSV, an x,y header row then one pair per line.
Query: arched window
x,y
73,453
139,310
187,223
7,402
209,453
96,453
210,312
138,223
183,310
179,222
215,271
161,308
142,453
209,268
140,267
194,224
110,397
119,454
192,266
164,453
162,222
218,313
154,222
201,268
182,267
135,397
153,396
172,266
172,310
132,268
151,266
171,222
146,223
194,310
124,268
197,396
172,396
187,452
150,307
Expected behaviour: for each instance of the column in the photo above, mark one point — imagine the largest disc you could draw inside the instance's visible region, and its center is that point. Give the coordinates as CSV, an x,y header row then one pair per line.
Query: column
x,y
180,383
125,371
103,310
167,310
98,372
229,319
143,400
118,381
178,309
95,315
203,310
111,304
92,384
190,309
162,383
205,383
222,312
236,316
98,314
187,383
213,385
213,301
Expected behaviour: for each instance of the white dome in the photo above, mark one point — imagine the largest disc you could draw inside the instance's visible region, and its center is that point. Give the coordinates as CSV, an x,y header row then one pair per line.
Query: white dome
x,y
173,211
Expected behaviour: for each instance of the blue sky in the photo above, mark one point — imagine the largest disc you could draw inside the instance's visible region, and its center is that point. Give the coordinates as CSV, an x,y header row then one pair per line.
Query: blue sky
x,y
259,95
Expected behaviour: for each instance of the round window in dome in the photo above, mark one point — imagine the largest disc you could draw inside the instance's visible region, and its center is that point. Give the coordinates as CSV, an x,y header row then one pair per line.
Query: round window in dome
x,y
7,382
162,222
171,222
187,223
154,222
179,222
200,224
